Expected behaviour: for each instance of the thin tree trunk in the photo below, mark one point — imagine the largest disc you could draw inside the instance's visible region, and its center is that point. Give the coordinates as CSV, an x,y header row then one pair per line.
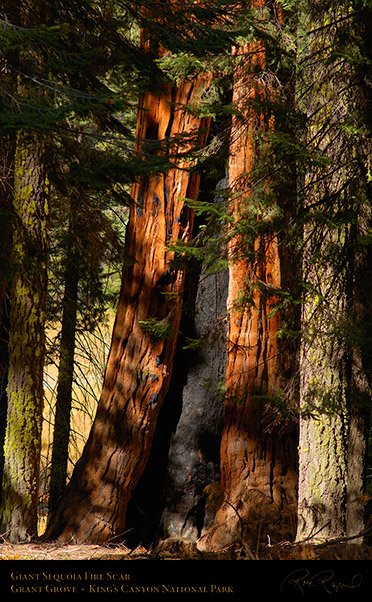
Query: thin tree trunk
x,y
61,434
26,344
138,371
259,449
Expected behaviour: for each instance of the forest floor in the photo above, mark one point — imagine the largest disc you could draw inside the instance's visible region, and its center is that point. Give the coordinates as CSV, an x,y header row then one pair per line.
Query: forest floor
x,y
181,550
54,551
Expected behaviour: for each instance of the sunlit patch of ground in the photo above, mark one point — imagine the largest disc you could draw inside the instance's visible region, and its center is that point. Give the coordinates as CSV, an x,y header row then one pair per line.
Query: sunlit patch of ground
x,y
180,550
53,551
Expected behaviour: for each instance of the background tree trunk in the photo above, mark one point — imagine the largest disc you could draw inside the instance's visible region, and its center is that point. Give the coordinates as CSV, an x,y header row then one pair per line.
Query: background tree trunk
x,y
61,433
335,386
6,228
137,377
26,344
360,292
4,363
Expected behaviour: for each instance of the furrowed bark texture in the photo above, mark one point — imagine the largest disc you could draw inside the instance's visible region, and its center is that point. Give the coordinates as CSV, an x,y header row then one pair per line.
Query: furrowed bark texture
x,y
26,344
323,429
193,461
258,458
361,296
9,13
185,453
137,377
6,224
334,382
6,210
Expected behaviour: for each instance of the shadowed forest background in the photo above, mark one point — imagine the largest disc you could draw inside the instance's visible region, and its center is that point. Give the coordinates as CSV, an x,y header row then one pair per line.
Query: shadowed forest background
x,y
186,276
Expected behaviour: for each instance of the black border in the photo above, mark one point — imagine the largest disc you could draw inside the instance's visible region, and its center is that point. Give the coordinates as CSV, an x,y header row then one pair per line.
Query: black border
x,y
185,580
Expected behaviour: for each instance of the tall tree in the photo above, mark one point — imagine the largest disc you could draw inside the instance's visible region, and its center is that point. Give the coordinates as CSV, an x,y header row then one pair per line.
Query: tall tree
x,y
137,377
360,46
259,447
26,344
6,223
28,306
61,436
336,309
6,184
6,226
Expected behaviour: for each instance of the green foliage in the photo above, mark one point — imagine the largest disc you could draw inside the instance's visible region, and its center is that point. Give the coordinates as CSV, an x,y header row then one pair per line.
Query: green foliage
x,y
288,4
74,70
193,344
182,66
158,329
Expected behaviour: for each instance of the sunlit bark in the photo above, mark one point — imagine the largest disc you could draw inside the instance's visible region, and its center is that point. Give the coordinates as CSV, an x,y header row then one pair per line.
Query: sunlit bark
x,y
6,222
259,449
141,357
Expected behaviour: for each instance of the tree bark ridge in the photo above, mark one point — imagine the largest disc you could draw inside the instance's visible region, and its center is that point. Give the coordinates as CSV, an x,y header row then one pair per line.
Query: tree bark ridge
x,y
145,332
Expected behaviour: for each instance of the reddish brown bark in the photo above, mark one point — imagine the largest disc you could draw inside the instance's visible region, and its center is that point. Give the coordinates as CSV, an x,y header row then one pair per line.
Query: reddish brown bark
x,y
259,449
137,377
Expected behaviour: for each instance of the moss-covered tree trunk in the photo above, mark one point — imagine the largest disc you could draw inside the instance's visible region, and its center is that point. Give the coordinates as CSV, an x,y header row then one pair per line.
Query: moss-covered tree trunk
x,y
26,344
259,448
335,361
61,433
360,287
323,424
8,12
139,366
6,224
6,217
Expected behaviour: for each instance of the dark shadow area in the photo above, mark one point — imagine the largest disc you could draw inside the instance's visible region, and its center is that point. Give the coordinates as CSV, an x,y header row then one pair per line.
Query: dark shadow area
x,y
155,487
147,503
4,363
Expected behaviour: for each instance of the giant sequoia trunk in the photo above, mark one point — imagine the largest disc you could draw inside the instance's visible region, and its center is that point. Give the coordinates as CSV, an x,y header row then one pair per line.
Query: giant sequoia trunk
x,y
259,449
193,460
139,366
185,453
26,344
